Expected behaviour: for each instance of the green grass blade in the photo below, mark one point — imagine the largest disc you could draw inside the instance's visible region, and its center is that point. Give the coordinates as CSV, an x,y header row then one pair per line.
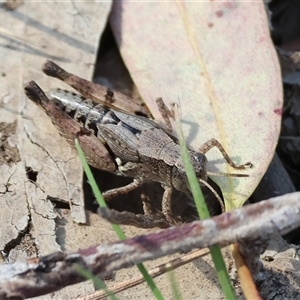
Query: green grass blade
x,y
98,283
203,212
222,272
116,227
95,188
193,181
174,285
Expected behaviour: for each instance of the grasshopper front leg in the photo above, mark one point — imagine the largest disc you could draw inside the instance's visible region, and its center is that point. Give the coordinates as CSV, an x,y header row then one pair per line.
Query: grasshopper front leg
x,y
214,143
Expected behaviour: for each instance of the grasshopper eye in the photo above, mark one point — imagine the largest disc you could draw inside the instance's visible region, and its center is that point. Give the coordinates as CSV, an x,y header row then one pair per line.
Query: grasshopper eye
x,y
199,162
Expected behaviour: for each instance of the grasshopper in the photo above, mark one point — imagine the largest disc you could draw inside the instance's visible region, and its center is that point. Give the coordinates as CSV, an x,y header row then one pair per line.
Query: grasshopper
x,y
123,140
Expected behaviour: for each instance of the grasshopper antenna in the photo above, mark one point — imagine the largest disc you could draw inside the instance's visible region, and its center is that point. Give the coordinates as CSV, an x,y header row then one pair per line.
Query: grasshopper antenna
x,y
226,174
214,192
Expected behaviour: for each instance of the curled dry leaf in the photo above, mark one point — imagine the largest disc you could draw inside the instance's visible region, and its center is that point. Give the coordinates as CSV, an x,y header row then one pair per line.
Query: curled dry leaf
x,y
217,60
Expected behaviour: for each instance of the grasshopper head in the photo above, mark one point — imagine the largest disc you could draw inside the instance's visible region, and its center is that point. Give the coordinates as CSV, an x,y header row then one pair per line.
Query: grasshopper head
x,y
199,162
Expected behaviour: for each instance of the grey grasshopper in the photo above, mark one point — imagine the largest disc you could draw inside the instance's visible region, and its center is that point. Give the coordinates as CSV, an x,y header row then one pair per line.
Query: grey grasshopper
x,y
122,140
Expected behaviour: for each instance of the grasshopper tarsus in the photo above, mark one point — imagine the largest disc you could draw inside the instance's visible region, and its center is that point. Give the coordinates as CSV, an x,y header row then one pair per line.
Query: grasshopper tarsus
x,y
248,165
